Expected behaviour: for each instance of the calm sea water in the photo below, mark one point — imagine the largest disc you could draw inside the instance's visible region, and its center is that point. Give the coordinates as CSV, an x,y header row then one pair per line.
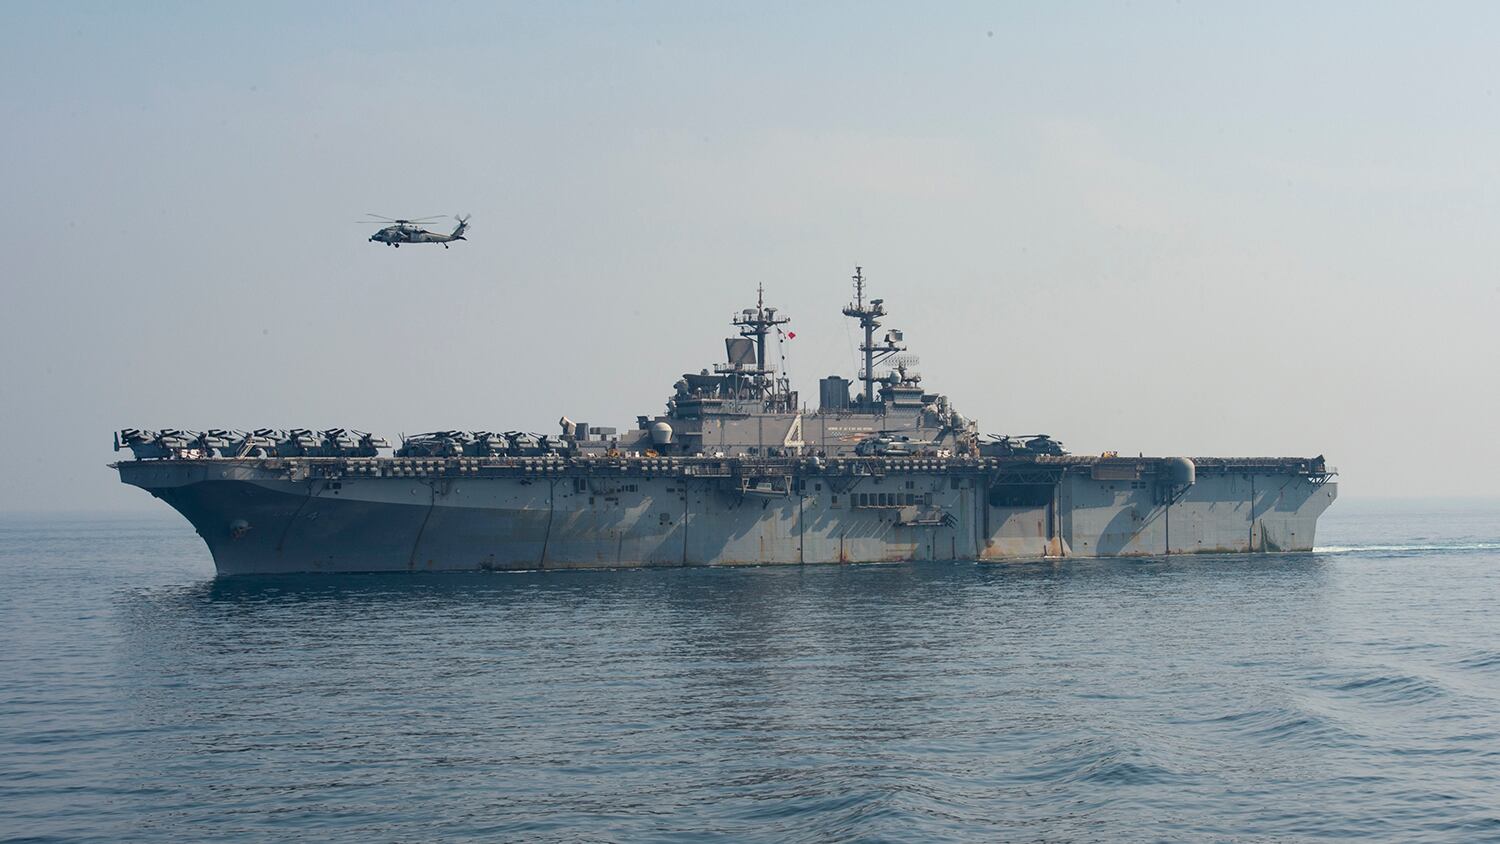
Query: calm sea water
x,y
1349,693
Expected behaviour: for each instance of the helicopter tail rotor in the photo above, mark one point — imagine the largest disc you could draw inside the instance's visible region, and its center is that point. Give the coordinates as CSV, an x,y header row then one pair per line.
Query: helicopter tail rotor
x,y
463,226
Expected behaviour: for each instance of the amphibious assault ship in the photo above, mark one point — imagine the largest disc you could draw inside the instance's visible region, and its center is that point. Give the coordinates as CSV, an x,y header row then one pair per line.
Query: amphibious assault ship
x,y
735,471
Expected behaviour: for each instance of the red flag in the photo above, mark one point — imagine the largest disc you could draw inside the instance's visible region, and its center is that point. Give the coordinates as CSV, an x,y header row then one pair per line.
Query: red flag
x,y
791,335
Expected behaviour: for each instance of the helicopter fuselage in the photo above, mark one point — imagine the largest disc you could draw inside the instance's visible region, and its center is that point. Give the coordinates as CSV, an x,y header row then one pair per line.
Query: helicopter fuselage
x,y
397,235
411,231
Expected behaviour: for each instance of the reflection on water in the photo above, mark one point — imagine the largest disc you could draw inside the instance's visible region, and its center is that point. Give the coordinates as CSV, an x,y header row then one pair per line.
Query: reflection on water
x,y
1331,694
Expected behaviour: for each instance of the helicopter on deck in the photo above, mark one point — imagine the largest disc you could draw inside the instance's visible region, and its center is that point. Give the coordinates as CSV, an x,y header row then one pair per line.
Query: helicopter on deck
x,y
397,232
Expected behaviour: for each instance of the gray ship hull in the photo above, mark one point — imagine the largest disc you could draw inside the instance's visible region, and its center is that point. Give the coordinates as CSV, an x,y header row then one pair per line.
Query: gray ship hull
x,y
261,516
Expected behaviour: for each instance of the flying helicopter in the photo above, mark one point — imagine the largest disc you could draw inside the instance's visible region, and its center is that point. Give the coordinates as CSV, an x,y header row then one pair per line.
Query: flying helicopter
x,y
396,232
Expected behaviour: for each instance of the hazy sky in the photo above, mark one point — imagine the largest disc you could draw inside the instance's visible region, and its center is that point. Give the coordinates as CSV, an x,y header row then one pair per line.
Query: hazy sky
x,y
1169,228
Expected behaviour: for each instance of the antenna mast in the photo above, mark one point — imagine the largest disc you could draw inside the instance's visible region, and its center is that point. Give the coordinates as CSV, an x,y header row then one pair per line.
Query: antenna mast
x,y
869,320
756,323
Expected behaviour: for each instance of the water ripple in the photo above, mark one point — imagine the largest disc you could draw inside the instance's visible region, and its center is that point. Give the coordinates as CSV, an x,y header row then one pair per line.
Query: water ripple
x,y
1345,694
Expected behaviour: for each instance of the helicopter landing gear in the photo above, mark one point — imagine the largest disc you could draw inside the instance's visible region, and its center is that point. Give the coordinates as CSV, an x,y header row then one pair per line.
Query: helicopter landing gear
x,y
397,245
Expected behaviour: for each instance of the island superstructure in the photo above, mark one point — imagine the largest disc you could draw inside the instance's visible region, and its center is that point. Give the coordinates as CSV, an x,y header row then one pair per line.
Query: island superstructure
x,y
736,470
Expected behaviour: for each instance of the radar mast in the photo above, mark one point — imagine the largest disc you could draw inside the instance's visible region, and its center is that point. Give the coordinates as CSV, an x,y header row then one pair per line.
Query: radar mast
x,y
756,325
869,319
757,322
